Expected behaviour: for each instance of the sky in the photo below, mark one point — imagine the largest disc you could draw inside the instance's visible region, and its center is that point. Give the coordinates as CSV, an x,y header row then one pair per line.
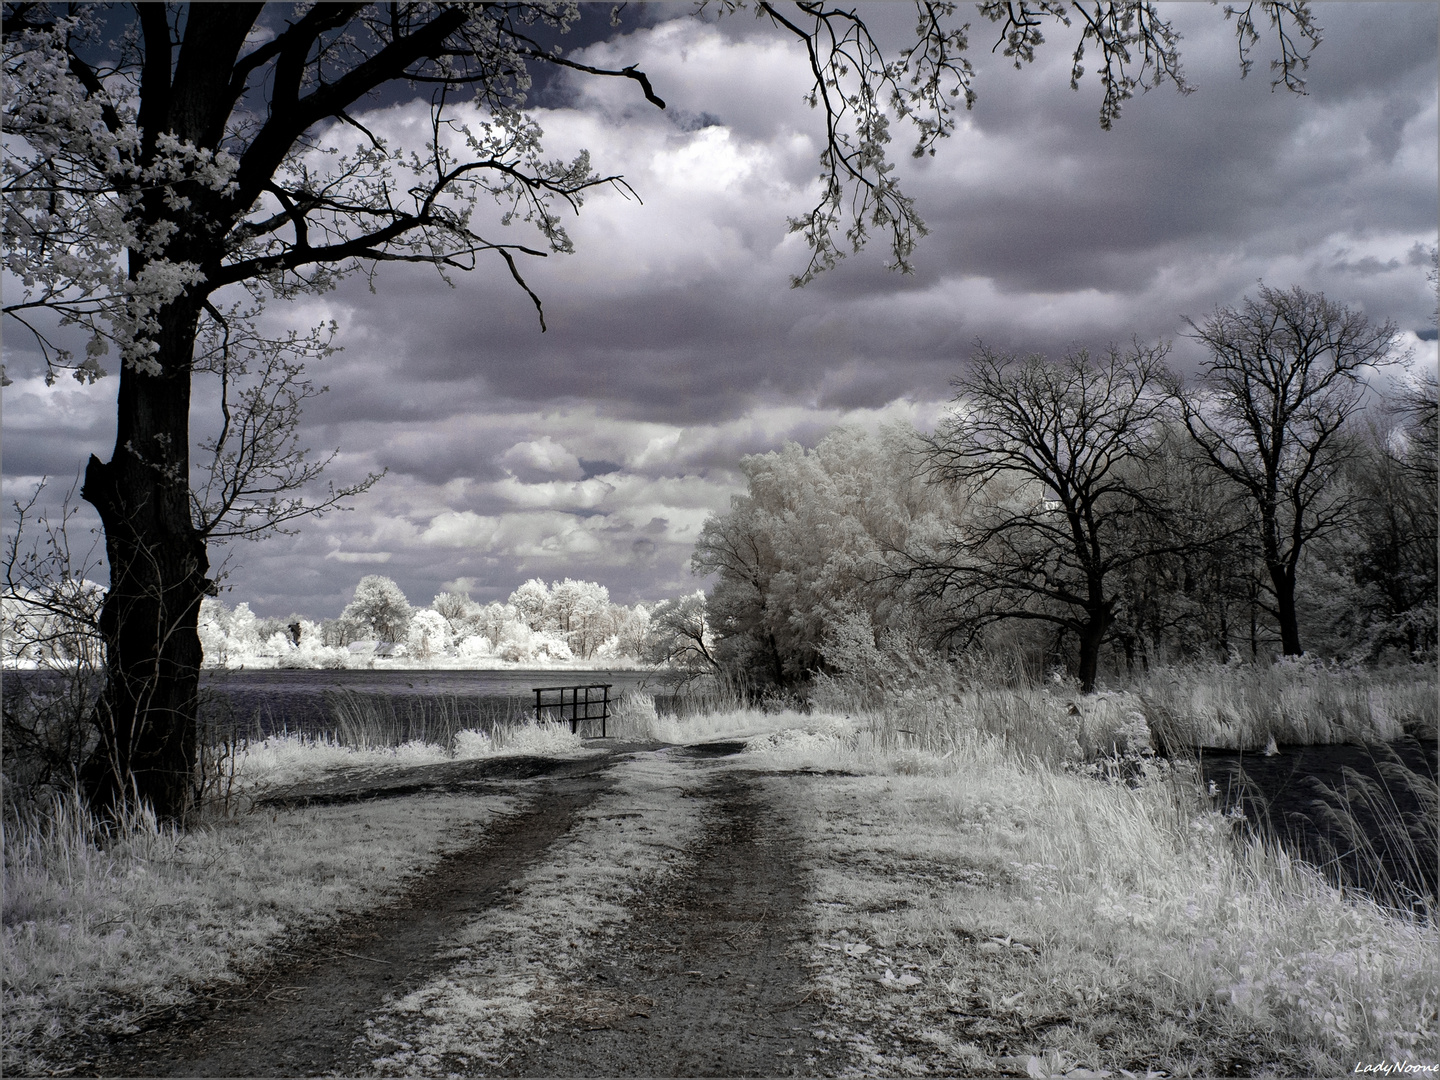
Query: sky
x,y
676,345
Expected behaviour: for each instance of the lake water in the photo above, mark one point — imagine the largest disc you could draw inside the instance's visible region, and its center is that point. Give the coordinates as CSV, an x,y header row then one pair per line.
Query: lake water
x,y
305,701
265,701
1386,790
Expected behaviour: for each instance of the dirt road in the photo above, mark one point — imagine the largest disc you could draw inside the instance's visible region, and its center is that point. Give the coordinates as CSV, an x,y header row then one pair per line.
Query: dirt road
x,y
706,981
704,978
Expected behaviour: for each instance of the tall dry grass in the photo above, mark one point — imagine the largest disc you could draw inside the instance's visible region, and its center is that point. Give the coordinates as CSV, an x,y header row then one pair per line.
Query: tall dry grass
x,y
1379,833
1246,706
372,720
1138,893
712,717
1033,722
1169,892
107,924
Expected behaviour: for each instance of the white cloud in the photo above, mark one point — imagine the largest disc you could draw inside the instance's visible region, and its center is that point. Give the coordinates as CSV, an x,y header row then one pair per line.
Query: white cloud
x,y
541,458
361,557
462,528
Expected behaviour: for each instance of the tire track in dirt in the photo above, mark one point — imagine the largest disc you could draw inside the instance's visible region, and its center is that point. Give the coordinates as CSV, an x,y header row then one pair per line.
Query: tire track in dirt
x,y
304,1015
708,978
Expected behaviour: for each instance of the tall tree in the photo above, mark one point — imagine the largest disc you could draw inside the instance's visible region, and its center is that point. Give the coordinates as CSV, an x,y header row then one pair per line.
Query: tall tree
x,y
1395,484
142,184
381,606
814,538
1067,506
217,147
1286,373
1194,598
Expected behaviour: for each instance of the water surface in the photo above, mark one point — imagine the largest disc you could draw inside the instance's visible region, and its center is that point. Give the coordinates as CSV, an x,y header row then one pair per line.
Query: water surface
x,y
272,700
264,701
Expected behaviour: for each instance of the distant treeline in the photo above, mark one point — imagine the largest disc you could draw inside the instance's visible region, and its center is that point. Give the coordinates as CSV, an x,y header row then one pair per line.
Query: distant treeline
x,y
539,624
1088,514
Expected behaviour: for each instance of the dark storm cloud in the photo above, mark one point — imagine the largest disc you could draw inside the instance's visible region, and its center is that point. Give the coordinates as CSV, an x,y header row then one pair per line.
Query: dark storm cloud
x,y
1081,208
52,430
675,344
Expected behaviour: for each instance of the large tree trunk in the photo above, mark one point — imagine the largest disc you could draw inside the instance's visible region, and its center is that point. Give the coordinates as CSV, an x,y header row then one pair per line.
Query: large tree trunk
x,y
1091,635
1099,617
158,566
1282,578
1282,575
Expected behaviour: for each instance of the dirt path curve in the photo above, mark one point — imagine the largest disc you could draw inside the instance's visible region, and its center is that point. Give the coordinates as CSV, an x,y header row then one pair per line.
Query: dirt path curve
x,y
708,978
304,1016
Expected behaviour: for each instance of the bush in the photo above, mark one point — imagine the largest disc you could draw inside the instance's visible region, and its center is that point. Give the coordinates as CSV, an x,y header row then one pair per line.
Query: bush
x,y
48,731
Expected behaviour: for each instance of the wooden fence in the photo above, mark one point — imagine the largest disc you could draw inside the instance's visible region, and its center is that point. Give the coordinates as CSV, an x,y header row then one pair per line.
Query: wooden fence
x,y
576,704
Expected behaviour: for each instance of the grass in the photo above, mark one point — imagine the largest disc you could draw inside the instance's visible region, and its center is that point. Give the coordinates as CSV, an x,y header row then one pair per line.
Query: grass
x,y
279,761
1052,922
373,720
1244,706
105,930
634,717
1382,831
236,770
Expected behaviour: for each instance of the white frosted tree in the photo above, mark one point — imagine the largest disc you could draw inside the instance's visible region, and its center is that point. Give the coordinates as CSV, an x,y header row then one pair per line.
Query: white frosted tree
x,y
381,605
532,601
630,627
456,608
581,610
493,618
428,635
817,534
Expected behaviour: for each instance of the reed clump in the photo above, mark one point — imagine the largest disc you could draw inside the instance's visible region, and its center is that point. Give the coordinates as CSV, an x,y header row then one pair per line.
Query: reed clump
x,y
375,720
1378,833
1247,706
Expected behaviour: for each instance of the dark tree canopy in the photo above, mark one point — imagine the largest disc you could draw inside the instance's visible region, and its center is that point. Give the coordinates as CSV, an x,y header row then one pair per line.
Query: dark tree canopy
x,y
1271,411
1057,452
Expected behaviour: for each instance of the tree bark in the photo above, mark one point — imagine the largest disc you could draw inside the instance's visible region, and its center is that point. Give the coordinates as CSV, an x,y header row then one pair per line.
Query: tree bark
x,y
147,711
1090,635
1282,579
777,662
158,566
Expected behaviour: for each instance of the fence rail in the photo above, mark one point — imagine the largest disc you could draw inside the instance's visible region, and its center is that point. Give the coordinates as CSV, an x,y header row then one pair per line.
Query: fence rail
x,y
576,704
